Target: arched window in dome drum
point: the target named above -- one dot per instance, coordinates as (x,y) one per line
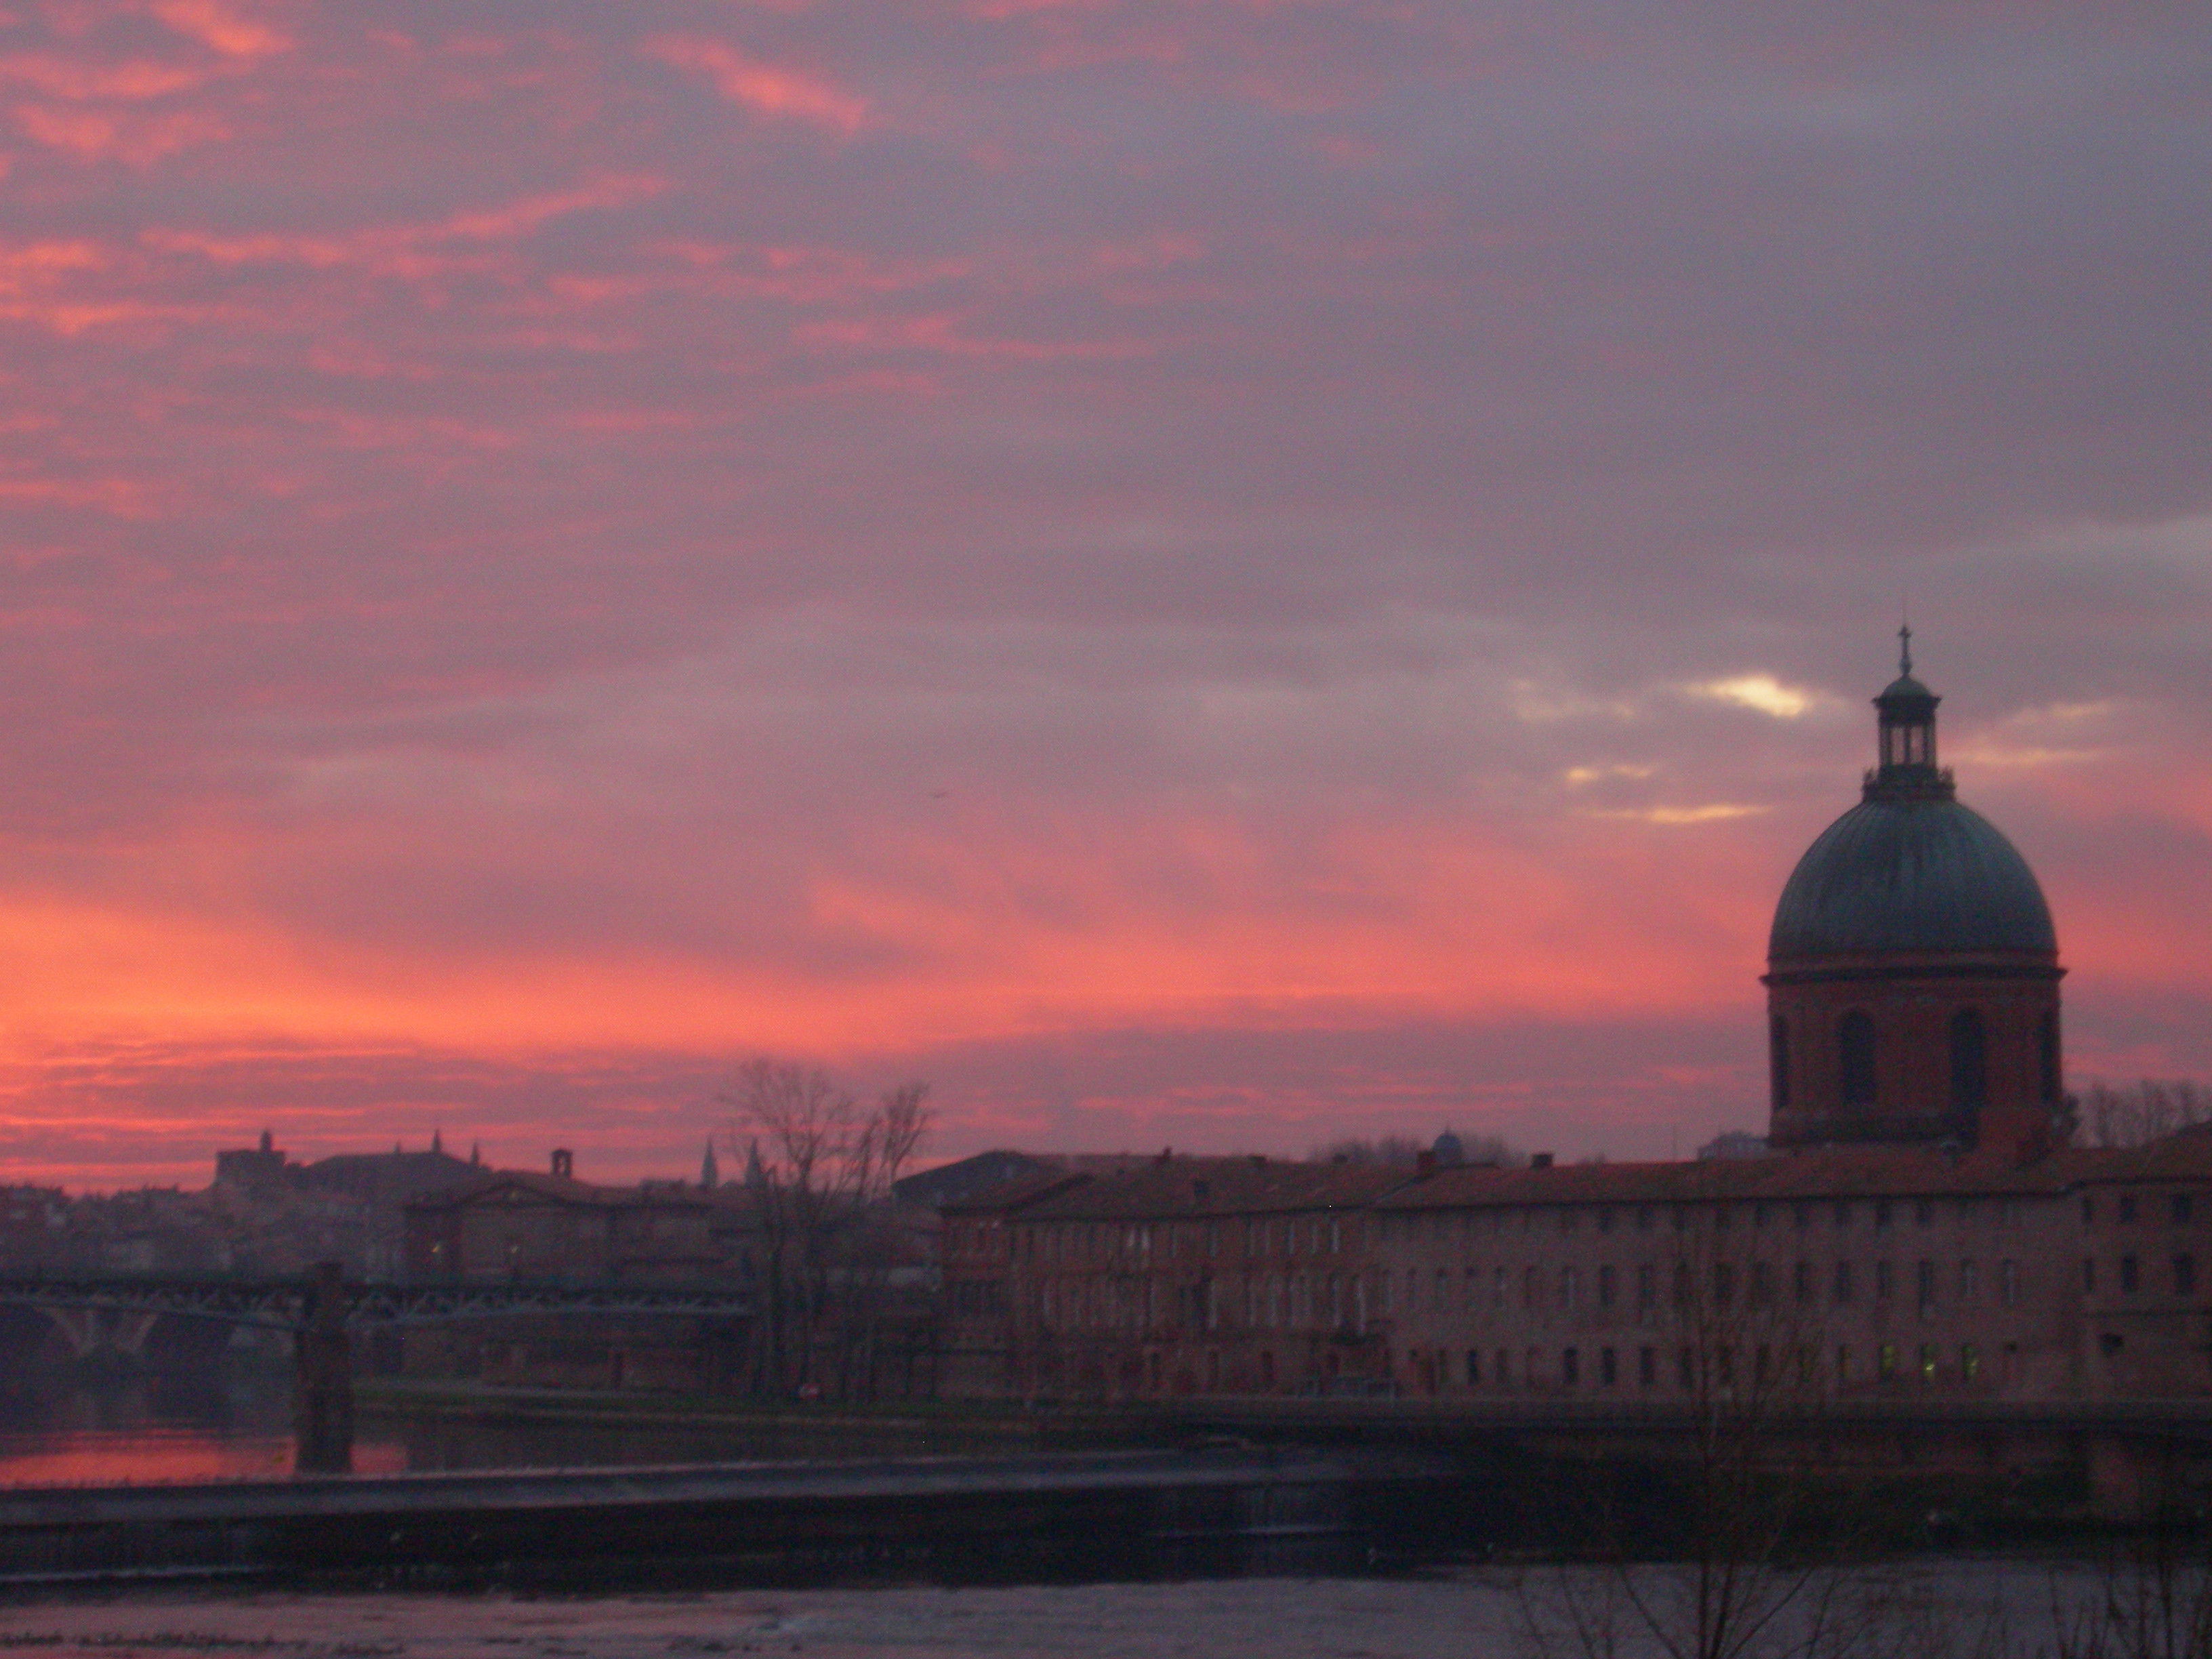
(1778,1059)
(1970,1061)
(1855,1058)
(2048,1043)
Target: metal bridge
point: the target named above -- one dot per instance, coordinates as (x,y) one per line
(318,1310)
(285,1302)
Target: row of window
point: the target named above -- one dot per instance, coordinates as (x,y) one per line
(1694,1371)
(2181,1274)
(1722,1284)
(1322,1235)
(1802,1215)
(1333,1300)
(2180,1208)
(1312,1235)
(1858,1074)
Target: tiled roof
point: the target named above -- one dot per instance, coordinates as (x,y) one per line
(560,1189)
(1016,1192)
(1828,1173)
(1198,1187)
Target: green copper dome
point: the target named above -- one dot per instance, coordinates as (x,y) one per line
(1915,873)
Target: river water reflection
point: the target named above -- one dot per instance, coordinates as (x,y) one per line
(141,1431)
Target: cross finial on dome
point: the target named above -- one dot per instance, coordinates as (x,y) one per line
(1904,648)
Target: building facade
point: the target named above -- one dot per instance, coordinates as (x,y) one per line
(1920,1225)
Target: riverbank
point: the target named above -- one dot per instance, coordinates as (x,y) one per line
(1025,1517)
(921,1426)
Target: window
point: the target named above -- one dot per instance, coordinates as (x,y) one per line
(2088,1211)
(1570,1284)
(1843,1288)
(1842,1213)
(1647,1287)
(1924,1213)
(1855,1069)
(1644,1217)
(1924,1284)
(1882,1215)
(2130,1276)
(1969,1282)
(1570,1366)
(1970,1067)
(1531,1291)
(1723,1284)
(1802,1216)
(1802,1280)
(2185,1275)
(1475,1368)
(2047,1042)
(2127,1207)
(1647,1366)
(1762,1283)
(1605,1286)
(1777,1060)
(1970,1361)
(1503,1374)
(1686,1370)
(2180,1205)
(2009,1283)
(1882,1281)
(1608,1367)
(1886,1362)
(1927,1363)
(1605,1219)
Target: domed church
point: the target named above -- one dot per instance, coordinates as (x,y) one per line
(1912,971)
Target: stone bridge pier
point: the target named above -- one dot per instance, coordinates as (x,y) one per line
(322,1378)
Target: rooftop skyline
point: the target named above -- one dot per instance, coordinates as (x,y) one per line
(1217,575)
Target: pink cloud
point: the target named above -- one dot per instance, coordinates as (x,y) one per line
(772,91)
(136,140)
(221,27)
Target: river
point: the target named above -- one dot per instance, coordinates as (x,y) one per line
(140,1429)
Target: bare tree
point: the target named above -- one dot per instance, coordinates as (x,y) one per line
(822,1169)
(2134,1113)
(1729,1584)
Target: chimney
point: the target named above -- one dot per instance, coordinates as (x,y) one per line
(564,1164)
(1540,1160)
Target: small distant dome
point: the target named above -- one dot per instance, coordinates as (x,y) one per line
(1448,1150)
(1914,874)
(1905,688)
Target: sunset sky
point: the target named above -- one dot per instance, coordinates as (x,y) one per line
(1216,574)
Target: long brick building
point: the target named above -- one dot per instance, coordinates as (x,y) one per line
(1920,1225)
